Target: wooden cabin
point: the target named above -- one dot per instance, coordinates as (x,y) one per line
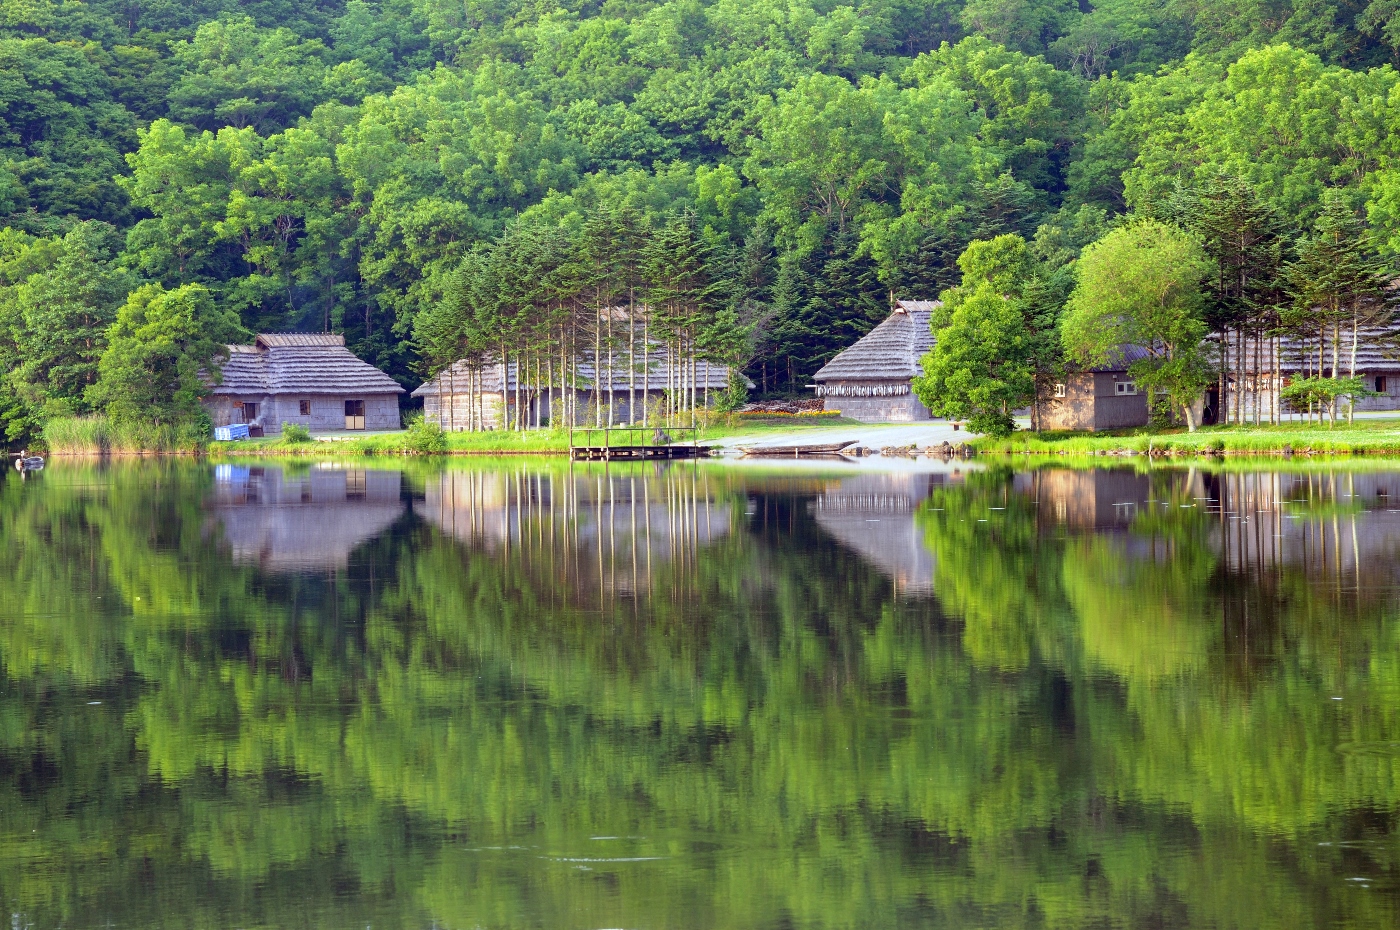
(871,380)
(460,395)
(1287,358)
(309,379)
(1100,398)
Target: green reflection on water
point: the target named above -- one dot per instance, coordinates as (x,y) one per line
(541,696)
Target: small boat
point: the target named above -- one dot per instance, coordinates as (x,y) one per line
(793,452)
(26,463)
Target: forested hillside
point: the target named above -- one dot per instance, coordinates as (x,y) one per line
(309,165)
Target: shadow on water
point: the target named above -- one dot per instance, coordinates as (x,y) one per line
(542,695)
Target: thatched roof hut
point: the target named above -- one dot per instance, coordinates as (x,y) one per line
(310,379)
(870,381)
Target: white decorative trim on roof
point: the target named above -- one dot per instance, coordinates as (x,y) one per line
(856,389)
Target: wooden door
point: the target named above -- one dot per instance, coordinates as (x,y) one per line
(354,414)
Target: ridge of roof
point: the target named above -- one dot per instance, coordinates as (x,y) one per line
(289,340)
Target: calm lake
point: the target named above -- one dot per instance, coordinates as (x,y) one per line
(332,694)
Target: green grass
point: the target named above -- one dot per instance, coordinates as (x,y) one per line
(1364,437)
(510,442)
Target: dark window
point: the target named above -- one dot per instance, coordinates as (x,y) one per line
(1380,384)
(354,414)
(305,407)
(250,412)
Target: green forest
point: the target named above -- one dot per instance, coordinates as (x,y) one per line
(176,175)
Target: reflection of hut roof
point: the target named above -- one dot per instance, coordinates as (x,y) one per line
(305,522)
(873,515)
(653,376)
(890,351)
(300,363)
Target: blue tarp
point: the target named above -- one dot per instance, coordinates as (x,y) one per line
(230,433)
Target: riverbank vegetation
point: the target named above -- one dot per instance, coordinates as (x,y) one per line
(424,439)
(335,166)
(97,434)
(1361,437)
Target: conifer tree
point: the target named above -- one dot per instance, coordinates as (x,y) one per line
(1336,281)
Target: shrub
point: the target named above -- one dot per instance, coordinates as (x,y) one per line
(995,423)
(295,433)
(425,437)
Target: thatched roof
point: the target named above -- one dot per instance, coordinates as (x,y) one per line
(1377,349)
(300,363)
(652,374)
(890,351)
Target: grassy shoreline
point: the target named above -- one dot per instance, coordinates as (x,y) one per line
(504,443)
(1364,437)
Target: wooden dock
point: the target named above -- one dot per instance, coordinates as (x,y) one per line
(635,444)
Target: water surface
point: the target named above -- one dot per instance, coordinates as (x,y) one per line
(698,696)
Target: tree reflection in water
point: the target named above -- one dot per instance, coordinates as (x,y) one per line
(535,695)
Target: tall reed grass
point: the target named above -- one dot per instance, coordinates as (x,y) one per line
(97,435)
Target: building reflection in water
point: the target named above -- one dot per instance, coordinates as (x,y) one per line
(1336,524)
(607,530)
(873,515)
(302,520)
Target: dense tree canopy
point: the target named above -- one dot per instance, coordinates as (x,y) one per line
(329,164)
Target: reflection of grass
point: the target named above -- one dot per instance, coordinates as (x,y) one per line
(1214,465)
(1371,437)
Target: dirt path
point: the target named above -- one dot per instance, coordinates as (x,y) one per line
(874,436)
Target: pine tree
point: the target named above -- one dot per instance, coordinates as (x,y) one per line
(1337,281)
(1248,241)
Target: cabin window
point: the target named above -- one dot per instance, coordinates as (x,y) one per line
(1126,387)
(1059,390)
(354,414)
(246,412)
(304,407)
(1380,384)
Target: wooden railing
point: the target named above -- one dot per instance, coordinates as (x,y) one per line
(635,441)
